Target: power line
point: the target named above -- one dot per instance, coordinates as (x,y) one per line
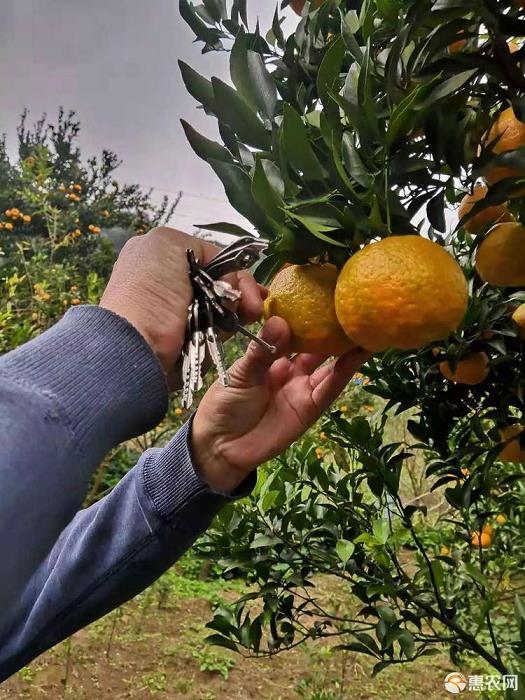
(185,193)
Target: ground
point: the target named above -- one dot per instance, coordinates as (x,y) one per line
(144,651)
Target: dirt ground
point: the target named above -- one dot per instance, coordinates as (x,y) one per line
(144,652)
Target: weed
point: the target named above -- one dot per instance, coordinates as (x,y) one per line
(213,661)
(155,682)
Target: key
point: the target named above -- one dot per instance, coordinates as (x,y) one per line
(214,347)
(186,362)
(231,324)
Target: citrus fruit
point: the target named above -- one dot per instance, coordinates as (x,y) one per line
(401,292)
(457,46)
(472,370)
(511,133)
(512,451)
(297,5)
(304,296)
(500,257)
(479,223)
(482,540)
(488,528)
(519,319)
(501,519)
(444,551)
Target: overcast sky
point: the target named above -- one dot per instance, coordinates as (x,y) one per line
(115,63)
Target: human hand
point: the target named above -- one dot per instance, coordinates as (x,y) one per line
(270,402)
(150,287)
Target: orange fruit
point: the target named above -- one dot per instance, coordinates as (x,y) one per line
(472,370)
(482,540)
(519,319)
(512,451)
(8,226)
(297,5)
(401,292)
(304,296)
(501,519)
(488,528)
(457,46)
(500,257)
(178,411)
(444,551)
(511,133)
(479,223)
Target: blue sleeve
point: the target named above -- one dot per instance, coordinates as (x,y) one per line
(66,398)
(113,550)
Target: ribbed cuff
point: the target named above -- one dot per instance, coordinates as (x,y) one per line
(99,370)
(173,484)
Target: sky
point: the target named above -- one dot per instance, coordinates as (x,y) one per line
(115,63)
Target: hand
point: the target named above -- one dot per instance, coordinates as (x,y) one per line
(150,287)
(271,401)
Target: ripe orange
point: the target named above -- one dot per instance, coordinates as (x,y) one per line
(479,223)
(500,257)
(304,296)
(511,133)
(484,540)
(501,519)
(488,528)
(519,319)
(401,292)
(297,5)
(457,46)
(512,451)
(473,370)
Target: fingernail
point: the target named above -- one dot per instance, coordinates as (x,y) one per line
(272,330)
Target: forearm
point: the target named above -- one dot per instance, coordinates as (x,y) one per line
(65,399)
(112,551)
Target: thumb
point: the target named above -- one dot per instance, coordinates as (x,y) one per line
(252,369)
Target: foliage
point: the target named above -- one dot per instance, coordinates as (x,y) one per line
(213,662)
(54,208)
(362,124)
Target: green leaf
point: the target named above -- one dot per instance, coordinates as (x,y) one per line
(447,87)
(387,614)
(237,113)
(199,88)
(436,211)
(219,641)
(251,78)
(476,574)
(216,9)
(205,148)
(406,642)
(268,189)
(296,146)
(238,188)
(201,31)
(353,163)
(344,550)
(328,75)
(317,227)
(519,607)
(225,227)
(381,530)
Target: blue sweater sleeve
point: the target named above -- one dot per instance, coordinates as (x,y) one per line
(65,399)
(112,551)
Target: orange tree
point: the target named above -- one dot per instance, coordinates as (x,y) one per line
(54,206)
(376,119)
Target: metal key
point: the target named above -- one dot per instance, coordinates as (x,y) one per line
(214,346)
(231,324)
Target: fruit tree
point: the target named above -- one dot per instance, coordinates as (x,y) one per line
(380,148)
